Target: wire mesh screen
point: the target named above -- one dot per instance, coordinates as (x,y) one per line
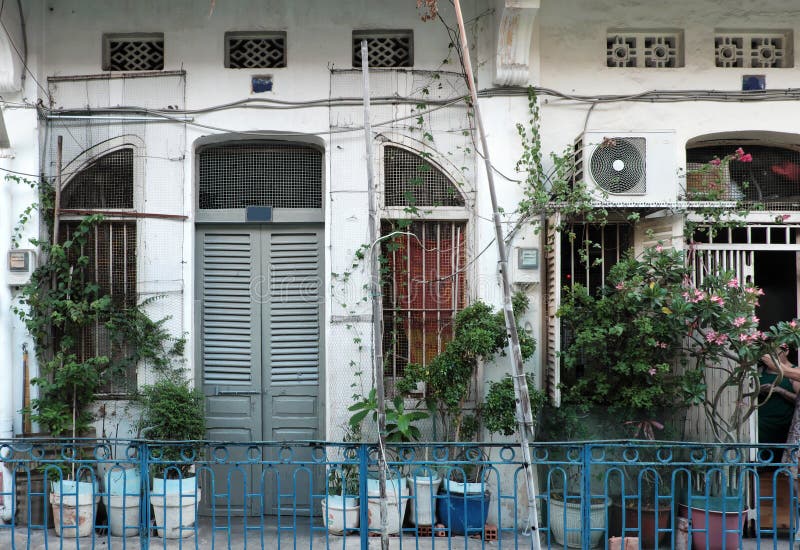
(411,180)
(132,162)
(772,177)
(106,183)
(271,174)
(421,119)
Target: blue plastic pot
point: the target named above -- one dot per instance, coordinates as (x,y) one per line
(463,514)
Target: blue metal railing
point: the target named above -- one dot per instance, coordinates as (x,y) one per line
(83,493)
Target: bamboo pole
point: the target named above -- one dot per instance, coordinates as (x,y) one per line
(377,306)
(523,405)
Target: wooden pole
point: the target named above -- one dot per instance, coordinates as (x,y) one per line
(377,305)
(523,404)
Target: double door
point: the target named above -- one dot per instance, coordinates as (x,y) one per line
(259,299)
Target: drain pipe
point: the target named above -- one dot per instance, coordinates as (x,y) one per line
(6,355)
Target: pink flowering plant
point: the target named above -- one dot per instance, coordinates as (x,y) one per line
(711,181)
(653,338)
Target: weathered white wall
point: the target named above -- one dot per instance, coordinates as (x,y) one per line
(568,54)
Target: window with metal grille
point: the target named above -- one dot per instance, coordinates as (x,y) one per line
(107,183)
(424,286)
(281,175)
(133,52)
(412,180)
(255,50)
(646,49)
(386,49)
(588,258)
(767,49)
(772,178)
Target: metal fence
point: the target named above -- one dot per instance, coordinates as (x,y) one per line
(82,493)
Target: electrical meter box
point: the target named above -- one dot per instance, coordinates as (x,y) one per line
(524,257)
(20,266)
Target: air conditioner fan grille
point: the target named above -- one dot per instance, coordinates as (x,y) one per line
(618,165)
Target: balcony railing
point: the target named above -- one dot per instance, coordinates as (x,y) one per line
(83,493)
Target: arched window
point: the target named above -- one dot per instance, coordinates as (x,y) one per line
(412,180)
(772,177)
(104,185)
(425,283)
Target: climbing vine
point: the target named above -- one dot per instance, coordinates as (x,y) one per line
(61,306)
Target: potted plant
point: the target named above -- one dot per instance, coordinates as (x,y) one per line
(172,411)
(340,506)
(562,482)
(479,334)
(400,427)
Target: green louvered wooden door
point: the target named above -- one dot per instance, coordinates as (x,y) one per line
(260,307)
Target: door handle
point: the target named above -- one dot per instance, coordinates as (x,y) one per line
(237,393)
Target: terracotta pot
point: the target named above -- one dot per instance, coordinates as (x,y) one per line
(647,531)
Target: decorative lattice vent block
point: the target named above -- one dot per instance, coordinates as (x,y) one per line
(255,50)
(387,49)
(645,49)
(754,49)
(133,52)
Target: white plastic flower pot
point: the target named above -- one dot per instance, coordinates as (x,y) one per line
(123,514)
(122,502)
(421,509)
(174,504)
(340,513)
(74,504)
(396,491)
(564,516)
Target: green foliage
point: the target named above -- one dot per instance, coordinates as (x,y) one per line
(60,306)
(172,411)
(399,422)
(626,340)
(479,334)
(498,411)
(553,190)
(650,318)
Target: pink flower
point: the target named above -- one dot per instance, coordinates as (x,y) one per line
(793,323)
(721,339)
(711,336)
(754,319)
(746,158)
(733,283)
(652,371)
(785,217)
(715,162)
(663,345)
(744,337)
(619,286)
(739,153)
(659,248)
(718,300)
(739,321)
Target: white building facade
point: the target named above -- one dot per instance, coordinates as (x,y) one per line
(224,144)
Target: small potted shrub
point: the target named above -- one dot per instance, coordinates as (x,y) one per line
(172,411)
(479,335)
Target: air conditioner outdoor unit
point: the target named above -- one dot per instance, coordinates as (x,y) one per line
(628,169)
